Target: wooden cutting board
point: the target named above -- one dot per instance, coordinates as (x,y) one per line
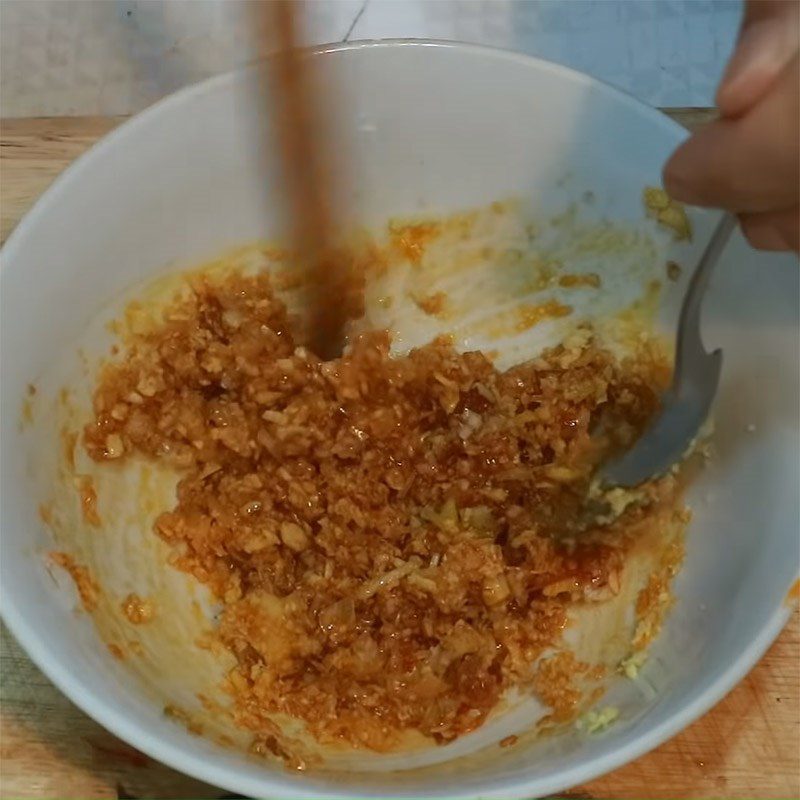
(747,746)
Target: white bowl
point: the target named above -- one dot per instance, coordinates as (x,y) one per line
(427,126)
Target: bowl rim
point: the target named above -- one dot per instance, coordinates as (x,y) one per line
(276,783)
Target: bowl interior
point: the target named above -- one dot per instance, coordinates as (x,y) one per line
(424,129)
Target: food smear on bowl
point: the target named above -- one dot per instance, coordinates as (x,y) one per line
(310,551)
(397,541)
(137,610)
(85,583)
(668,212)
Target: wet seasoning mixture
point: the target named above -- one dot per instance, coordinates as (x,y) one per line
(395,541)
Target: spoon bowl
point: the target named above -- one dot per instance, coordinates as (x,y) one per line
(695,380)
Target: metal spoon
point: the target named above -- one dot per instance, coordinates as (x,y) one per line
(694,384)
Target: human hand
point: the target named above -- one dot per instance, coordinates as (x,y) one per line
(748,161)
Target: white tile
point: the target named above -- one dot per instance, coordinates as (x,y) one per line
(700,38)
(672,45)
(592,15)
(641,36)
(114,56)
(672,8)
(647,83)
(699,7)
(639,10)
(388,19)
(703,80)
(674,87)
(726,18)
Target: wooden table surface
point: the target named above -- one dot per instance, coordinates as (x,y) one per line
(748,746)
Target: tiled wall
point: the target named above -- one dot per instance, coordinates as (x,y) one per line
(117,56)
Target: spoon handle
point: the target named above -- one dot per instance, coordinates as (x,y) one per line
(689,350)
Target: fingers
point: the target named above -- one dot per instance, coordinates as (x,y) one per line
(769,38)
(748,162)
(755,10)
(775,230)
(746,165)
